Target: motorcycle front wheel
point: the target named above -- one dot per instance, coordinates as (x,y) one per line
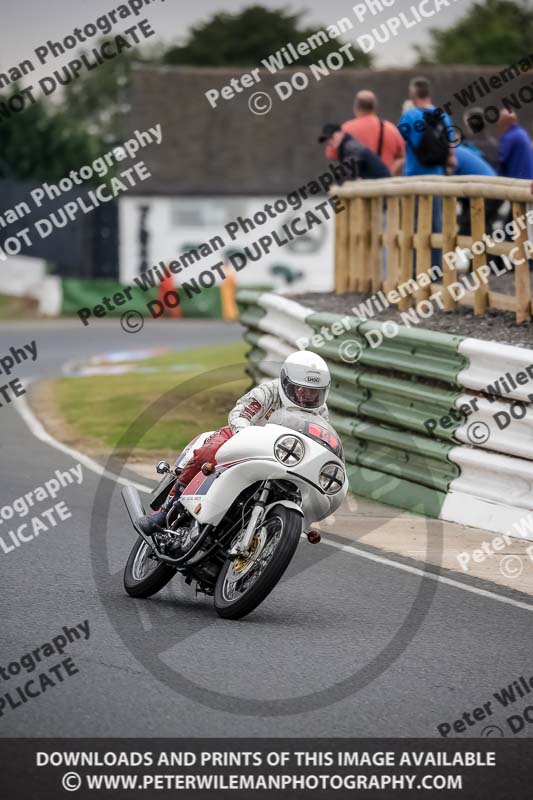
(144,575)
(244,583)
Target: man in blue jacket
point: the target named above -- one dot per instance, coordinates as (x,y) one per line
(516,154)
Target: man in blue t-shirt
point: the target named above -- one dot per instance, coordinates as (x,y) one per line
(470,162)
(412,126)
(516,154)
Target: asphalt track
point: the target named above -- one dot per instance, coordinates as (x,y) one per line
(345,646)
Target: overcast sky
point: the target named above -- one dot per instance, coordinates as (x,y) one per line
(26,24)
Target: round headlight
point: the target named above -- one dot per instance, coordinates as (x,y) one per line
(332,478)
(289,450)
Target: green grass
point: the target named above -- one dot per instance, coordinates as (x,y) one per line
(103,408)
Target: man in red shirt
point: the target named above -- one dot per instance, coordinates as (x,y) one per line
(381,136)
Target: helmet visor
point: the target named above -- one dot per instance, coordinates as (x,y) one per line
(303,396)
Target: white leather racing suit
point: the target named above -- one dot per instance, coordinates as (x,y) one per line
(255,407)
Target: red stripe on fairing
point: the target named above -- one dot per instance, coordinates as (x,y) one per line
(199,479)
(244,460)
(193,486)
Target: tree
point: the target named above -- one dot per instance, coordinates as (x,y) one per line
(43,143)
(98,98)
(243,39)
(492,32)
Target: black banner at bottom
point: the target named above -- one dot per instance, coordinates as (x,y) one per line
(266,768)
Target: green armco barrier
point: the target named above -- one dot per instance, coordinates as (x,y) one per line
(251,316)
(409,443)
(395,491)
(327,319)
(254,340)
(409,389)
(436,354)
(433,475)
(248,296)
(415,336)
(427,364)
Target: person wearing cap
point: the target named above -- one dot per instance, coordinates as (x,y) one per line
(363,163)
(381,136)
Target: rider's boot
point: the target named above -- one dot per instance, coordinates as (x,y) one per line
(155,521)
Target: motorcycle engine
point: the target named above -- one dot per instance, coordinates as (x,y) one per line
(188,535)
(181,540)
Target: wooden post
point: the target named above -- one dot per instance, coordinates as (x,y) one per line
(406,246)
(376,246)
(391,241)
(521,271)
(341,249)
(354,279)
(423,244)
(477,224)
(449,243)
(363,243)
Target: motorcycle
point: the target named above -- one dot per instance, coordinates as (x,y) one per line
(237,524)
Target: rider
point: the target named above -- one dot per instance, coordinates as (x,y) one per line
(303,383)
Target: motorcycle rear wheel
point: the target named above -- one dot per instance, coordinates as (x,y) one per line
(284,527)
(144,576)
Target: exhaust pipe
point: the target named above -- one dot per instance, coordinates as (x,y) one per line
(132,501)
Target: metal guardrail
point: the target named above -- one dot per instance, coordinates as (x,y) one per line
(382,403)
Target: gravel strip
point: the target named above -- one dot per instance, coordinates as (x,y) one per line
(494,326)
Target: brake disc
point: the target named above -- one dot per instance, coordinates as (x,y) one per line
(242,565)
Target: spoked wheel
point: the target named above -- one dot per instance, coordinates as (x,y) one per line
(244,583)
(144,575)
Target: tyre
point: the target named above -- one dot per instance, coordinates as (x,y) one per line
(144,576)
(243,584)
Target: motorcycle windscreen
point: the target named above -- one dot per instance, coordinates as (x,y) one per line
(311,425)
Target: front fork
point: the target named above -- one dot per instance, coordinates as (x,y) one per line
(242,545)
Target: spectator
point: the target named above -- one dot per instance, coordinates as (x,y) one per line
(476,136)
(381,136)
(427,132)
(364,164)
(470,163)
(516,154)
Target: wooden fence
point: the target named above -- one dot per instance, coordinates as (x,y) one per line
(377,249)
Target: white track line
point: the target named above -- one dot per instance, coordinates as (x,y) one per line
(347,548)
(40,433)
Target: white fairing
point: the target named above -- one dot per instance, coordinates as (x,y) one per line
(255,447)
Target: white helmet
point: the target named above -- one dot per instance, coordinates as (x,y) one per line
(304,381)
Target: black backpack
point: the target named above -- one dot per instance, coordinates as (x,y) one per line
(432,150)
